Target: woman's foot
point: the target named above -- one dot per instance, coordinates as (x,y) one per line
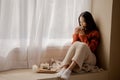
(66,74)
(60,72)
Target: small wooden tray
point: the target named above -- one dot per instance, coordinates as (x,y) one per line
(45,71)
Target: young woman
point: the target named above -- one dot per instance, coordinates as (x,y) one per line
(85,41)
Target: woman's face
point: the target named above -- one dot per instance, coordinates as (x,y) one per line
(82,22)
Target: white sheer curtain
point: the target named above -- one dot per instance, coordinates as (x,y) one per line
(27,27)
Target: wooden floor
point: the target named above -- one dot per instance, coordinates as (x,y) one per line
(27,74)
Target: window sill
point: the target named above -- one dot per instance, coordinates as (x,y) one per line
(27,74)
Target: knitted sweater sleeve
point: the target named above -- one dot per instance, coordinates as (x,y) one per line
(75,38)
(92,39)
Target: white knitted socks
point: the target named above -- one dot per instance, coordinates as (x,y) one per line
(66,74)
(60,72)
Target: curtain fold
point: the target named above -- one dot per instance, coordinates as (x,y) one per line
(28,27)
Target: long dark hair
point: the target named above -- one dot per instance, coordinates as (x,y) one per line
(91,25)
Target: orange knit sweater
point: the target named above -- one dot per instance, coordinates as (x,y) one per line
(91,39)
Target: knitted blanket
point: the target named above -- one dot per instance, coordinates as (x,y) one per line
(54,66)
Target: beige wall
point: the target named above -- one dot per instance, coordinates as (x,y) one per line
(102,11)
(107,16)
(115,42)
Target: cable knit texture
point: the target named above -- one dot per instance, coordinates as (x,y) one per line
(91,39)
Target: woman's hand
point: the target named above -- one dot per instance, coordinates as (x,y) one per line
(81,32)
(77,30)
